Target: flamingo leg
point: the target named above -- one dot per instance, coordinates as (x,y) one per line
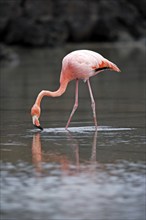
(92,103)
(75,104)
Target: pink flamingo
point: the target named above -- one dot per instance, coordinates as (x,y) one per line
(79,64)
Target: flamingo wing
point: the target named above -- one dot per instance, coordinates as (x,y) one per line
(82,64)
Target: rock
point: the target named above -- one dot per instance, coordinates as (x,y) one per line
(8,57)
(54,22)
(7,9)
(140,5)
(36,33)
(117,17)
(81,17)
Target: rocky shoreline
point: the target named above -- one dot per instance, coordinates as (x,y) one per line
(54,22)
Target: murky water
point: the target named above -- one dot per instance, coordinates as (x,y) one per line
(80,173)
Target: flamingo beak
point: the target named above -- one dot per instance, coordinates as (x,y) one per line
(36,122)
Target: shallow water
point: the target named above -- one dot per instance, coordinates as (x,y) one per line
(80,173)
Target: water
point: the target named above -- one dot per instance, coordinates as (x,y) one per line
(77,174)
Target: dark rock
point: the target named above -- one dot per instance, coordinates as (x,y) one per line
(117,17)
(54,22)
(81,17)
(140,5)
(7,9)
(36,32)
(8,57)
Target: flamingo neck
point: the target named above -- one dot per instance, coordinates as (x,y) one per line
(59,92)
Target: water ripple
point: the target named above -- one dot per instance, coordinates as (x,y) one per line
(83,129)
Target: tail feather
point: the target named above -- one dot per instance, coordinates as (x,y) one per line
(112,66)
(106,64)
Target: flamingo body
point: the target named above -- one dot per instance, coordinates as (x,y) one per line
(82,64)
(79,64)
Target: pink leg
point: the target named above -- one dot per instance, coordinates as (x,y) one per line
(75,104)
(92,104)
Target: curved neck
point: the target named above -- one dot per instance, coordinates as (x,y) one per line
(56,93)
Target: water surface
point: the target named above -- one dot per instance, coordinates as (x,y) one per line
(80,173)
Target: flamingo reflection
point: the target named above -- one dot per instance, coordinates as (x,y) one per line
(37,152)
(38,156)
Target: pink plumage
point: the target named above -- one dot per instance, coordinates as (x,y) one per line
(79,64)
(83,64)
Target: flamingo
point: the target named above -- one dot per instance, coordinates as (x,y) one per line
(79,64)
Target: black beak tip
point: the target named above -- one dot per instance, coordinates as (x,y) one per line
(39,127)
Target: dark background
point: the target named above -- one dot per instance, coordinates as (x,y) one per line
(54,22)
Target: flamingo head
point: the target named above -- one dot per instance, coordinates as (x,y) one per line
(35,113)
